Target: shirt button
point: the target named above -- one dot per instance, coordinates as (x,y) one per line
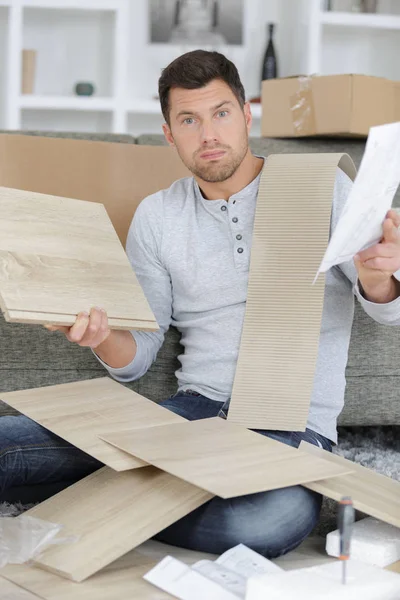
(235,219)
(240,250)
(223,207)
(238,237)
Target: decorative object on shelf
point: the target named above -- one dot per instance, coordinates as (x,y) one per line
(84,88)
(369,6)
(356,6)
(201,23)
(328,5)
(270,63)
(28,71)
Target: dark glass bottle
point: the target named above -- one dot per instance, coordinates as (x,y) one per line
(215,14)
(270,63)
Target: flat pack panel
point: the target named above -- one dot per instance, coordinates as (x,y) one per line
(371,492)
(79,412)
(111,513)
(122,579)
(62,256)
(12,591)
(224,458)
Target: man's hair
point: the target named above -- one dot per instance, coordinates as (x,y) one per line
(195,70)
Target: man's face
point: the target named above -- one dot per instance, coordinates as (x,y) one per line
(209,129)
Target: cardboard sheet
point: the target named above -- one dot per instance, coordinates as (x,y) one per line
(117,175)
(79,412)
(279,346)
(221,457)
(63,256)
(111,513)
(371,492)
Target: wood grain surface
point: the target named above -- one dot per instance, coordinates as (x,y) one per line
(111,513)
(224,458)
(60,256)
(371,492)
(79,412)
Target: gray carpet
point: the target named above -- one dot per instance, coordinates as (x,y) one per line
(377,448)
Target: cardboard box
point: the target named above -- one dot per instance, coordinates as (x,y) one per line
(331,105)
(116,175)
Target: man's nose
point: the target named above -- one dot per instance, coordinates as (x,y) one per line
(208,133)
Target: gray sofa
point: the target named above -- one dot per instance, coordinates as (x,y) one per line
(32,357)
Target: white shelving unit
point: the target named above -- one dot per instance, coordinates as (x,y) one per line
(342,41)
(88,41)
(104,42)
(358,20)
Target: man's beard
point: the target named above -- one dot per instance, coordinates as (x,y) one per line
(218,171)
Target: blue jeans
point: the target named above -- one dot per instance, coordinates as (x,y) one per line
(272,523)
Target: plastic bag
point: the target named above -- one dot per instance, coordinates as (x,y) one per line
(23,538)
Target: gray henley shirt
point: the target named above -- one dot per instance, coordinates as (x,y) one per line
(191,257)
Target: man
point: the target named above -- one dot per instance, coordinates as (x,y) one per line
(190,248)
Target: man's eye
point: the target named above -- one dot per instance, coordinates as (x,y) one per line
(189,121)
(222,113)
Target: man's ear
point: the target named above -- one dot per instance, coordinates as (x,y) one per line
(247,115)
(168,134)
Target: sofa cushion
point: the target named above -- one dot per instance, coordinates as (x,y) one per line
(122,138)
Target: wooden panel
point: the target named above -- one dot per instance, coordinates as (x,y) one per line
(118,584)
(112,513)
(223,458)
(121,580)
(11,591)
(63,256)
(395,567)
(79,412)
(371,492)
(36,318)
(279,346)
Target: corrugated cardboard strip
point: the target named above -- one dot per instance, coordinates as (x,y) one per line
(279,347)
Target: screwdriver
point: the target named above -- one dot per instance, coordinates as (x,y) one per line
(345,525)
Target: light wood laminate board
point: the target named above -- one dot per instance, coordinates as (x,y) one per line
(121,580)
(224,458)
(79,412)
(36,318)
(116,584)
(12,591)
(112,513)
(395,567)
(371,492)
(62,256)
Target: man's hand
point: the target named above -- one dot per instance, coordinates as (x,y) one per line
(376,265)
(89,330)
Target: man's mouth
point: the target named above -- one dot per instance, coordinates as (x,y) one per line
(212,154)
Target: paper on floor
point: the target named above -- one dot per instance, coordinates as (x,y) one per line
(223,579)
(324,581)
(360,224)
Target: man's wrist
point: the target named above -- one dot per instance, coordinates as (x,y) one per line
(383,293)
